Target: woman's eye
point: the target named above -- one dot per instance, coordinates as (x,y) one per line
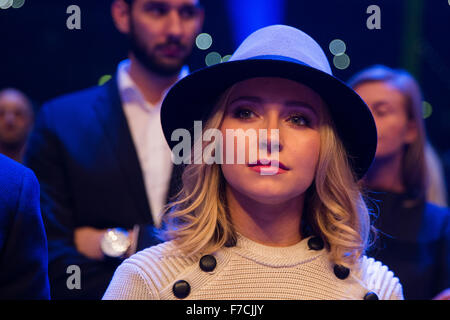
(381,112)
(242,113)
(380,109)
(299,120)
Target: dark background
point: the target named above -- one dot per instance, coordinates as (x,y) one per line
(42,57)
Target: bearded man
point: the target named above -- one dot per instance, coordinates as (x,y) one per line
(100,156)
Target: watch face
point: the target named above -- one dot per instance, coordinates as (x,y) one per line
(115,243)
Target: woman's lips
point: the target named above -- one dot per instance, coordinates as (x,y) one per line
(268,167)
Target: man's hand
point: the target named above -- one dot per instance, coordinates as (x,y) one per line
(87,240)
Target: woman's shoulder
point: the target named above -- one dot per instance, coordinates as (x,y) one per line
(162,259)
(434,224)
(379,279)
(148,272)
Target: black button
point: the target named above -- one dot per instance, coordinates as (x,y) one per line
(208,263)
(315,243)
(341,272)
(181,289)
(371,296)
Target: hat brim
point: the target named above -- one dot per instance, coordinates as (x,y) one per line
(193,97)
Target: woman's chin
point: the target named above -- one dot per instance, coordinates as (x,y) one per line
(270,197)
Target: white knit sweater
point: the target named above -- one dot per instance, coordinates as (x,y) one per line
(249,271)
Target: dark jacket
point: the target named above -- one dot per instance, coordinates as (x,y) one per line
(414,242)
(83,155)
(23,245)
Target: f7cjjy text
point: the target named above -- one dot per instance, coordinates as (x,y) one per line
(247,309)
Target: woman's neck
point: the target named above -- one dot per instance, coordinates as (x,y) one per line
(386,174)
(269,224)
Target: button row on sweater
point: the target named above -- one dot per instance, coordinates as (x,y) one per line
(182,288)
(316,243)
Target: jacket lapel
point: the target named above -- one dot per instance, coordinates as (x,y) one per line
(112,118)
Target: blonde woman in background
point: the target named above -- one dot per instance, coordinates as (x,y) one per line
(414,233)
(292,225)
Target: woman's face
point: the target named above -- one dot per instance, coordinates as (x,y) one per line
(388,107)
(277,105)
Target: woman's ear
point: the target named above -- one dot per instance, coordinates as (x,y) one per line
(121,12)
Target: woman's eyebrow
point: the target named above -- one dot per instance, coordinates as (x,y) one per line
(381,103)
(247,98)
(301,104)
(291,103)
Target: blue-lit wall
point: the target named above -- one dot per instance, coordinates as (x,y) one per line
(249,15)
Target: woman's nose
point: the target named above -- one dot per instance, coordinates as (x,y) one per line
(270,138)
(271,143)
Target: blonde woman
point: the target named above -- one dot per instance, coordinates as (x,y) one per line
(414,233)
(289,221)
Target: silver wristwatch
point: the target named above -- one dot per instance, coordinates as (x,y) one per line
(115,242)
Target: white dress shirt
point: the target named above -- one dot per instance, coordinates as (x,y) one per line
(152,149)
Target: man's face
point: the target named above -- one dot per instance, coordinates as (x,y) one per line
(15,119)
(162,33)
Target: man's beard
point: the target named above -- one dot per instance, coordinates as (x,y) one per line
(149,60)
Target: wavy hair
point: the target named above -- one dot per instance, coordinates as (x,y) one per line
(198,221)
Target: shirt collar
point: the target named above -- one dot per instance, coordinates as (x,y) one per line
(129,91)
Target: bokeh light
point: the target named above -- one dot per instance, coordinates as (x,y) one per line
(104,79)
(337,47)
(213,58)
(427,109)
(227,57)
(6,4)
(342,61)
(203,41)
(18,4)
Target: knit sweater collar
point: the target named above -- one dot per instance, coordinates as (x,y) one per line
(275,256)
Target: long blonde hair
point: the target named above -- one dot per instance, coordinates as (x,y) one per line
(198,220)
